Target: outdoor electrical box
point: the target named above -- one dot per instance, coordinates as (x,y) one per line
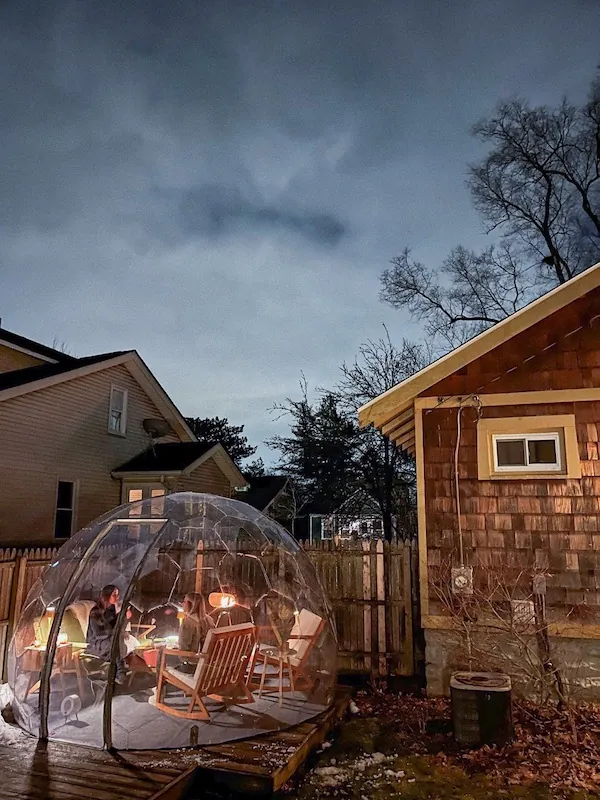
(481,708)
(462,580)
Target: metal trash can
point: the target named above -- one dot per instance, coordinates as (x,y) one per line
(481,708)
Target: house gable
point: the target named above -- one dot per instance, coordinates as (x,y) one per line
(477,363)
(18,352)
(61,433)
(12,359)
(562,351)
(43,377)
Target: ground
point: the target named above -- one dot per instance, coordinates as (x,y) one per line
(402,746)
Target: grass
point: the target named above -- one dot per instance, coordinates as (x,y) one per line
(366,762)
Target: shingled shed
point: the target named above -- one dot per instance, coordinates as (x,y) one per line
(505,431)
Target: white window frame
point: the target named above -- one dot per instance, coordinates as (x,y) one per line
(557,466)
(123,428)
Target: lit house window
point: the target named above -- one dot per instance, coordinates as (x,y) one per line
(528,447)
(154,493)
(117,412)
(533,452)
(65,510)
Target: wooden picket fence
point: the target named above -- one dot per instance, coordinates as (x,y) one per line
(370,584)
(19,570)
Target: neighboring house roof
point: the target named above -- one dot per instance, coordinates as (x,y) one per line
(393,411)
(263,492)
(179,458)
(21,377)
(359,503)
(31,379)
(24,345)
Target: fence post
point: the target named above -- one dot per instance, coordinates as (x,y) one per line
(19,589)
(381,609)
(367,628)
(408,656)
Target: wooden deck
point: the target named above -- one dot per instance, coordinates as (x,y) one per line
(32,770)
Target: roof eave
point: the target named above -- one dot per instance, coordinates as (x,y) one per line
(140,474)
(400,398)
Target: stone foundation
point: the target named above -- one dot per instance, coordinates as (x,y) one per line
(577,659)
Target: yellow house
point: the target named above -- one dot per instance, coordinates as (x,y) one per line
(79,436)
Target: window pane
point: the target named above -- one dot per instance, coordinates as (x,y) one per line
(542,451)
(64,497)
(64,523)
(115,420)
(158,492)
(510,452)
(117,400)
(134,495)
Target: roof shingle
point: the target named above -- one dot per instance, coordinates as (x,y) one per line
(166,457)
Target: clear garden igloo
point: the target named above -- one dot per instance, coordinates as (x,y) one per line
(112,672)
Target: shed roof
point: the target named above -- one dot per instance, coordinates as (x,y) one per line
(263,491)
(393,411)
(180,458)
(166,457)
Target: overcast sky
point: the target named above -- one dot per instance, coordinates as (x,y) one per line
(220,184)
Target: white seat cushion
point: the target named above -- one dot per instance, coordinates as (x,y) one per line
(184,677)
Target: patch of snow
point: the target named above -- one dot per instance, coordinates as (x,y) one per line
(9,734)
(354,709)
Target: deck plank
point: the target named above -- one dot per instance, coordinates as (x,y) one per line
(32,770)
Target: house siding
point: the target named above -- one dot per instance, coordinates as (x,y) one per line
(516,527)
(551,524)
(61,433)
(208,478)
(11,359)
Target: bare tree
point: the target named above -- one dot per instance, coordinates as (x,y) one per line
(538,190)
(468,293)
(387,472)
(540,182)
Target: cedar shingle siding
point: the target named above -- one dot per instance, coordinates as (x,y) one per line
(553,523)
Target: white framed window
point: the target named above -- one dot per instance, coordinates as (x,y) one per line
(64,516)
(117,411)
(527,452)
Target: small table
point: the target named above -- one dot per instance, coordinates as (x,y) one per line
(281,656)
(64,663)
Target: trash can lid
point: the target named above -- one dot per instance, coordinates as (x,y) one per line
(481,681)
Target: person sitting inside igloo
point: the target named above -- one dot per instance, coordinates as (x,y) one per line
(101,629)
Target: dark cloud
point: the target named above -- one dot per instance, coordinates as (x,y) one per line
(219,183)
(214,210)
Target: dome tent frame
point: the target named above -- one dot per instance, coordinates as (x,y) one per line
(156,553)
(51,646)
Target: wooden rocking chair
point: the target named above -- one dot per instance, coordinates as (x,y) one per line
(220,672)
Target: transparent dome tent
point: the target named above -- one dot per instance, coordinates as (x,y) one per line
(101,653)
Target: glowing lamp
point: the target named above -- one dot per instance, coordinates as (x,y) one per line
(221,600)
(63,638)
(37,643)
(50,611)
(180,614)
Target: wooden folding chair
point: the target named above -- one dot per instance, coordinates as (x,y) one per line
(219,674)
